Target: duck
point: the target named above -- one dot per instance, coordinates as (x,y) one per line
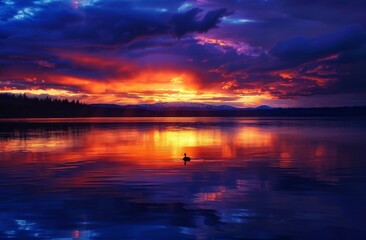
(186,158)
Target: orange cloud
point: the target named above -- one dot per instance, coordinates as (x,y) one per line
(126,82)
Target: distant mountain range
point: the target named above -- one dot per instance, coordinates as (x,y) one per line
(178,106)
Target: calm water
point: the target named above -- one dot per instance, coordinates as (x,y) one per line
(125,179)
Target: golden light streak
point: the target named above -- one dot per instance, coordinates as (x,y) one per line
(50,91)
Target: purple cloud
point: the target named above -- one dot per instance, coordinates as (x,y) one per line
(285,49)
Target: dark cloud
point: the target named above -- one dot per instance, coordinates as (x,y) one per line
(351,64)
(104,24)
(190,21)
(274,21)
(304,49)
(33,33)
(331,63)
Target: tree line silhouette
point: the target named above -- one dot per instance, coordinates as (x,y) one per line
(23,106)
(12,106)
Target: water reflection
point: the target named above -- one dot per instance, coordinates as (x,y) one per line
(247,179)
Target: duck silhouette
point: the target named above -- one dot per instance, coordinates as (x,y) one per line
(186,158)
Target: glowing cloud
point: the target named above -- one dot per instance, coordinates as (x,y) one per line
(231,52)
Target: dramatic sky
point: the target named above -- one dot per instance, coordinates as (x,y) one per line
(238,52)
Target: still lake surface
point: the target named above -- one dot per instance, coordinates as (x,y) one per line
(124,178)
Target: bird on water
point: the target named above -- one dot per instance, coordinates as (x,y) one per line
(186,158)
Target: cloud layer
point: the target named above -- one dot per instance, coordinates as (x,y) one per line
(236,52)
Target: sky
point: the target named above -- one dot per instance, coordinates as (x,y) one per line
(284,53)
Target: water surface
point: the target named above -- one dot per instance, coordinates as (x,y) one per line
(124,178)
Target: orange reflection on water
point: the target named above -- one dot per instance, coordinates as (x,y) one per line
(80,155)
(145,145)
(154,146)
(211,196)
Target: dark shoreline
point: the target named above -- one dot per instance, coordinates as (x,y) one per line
(21,106)
(89,111)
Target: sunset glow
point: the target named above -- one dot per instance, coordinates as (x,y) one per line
(182,119)
(215,52)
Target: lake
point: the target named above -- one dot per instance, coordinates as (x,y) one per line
(124,178)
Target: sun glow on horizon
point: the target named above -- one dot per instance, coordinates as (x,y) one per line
(154,96)
(127,82)
(145,86)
